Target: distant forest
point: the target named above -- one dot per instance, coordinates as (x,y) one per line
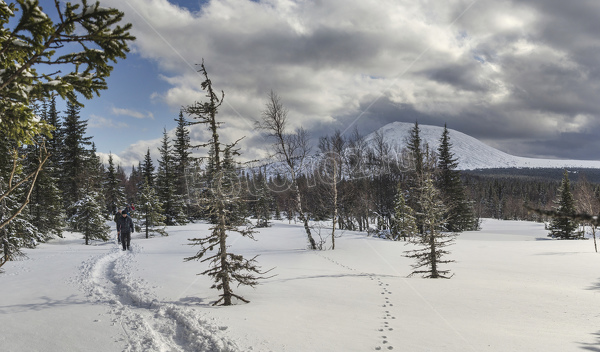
(502,193)
(539,174)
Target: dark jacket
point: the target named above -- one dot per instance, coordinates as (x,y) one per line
(125,225)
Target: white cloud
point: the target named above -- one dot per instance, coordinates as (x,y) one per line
(474,63)
(96,121)
(132,113)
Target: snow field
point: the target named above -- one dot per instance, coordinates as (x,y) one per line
(513,290)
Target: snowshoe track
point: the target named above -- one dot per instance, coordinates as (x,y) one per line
(148,324)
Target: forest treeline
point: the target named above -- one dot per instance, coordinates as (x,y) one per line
(343,178)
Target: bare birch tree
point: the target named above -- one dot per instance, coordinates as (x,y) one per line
(292,149)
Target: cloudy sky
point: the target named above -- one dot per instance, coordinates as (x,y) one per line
(521,75)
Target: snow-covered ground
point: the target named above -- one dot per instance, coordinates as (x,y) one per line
(513,290)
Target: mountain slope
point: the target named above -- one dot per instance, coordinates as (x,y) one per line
(470,152)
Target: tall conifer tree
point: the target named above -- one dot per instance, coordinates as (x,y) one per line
(459,211)
(166,184)
(404,224)
(563,224)
(415,173)
(181,155)
(114,193)
(88,216)
(225,267)
(147,170)
(75,155)
(45,209)
(150,217)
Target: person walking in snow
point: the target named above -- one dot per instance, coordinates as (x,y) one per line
(125,229)
(130,208)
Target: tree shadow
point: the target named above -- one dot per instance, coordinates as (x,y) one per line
(592,346)
(595,286)
(46,304)
(189,300)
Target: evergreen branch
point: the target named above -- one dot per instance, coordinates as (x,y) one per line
(32,175)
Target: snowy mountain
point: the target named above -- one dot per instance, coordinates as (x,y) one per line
(470,152)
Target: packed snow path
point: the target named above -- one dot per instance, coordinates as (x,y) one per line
(147,323)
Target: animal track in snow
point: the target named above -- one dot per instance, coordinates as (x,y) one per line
(386,317)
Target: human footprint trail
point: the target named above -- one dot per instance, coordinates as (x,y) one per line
(147,323)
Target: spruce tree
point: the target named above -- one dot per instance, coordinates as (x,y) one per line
(415,147)
(181,155)
(415,173)
(114,193)
(459,211)
(83,43)
(85,39)
(45,208)
(88,216)
(150,217)
(225,267)
(404,224)
(56,141)
(434,239)
(264,201)
(147,170)
(563,225)
(16,231)
(166,185)
(231,183)
(75,156)
(133,184)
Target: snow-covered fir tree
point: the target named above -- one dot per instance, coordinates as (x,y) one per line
(225,268)
(16,231)
(45,209)
(563,224)
(150,216)
(89,217)
(89,38)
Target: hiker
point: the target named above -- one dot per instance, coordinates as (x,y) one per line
(130,208)
(125,229)
(117,217)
